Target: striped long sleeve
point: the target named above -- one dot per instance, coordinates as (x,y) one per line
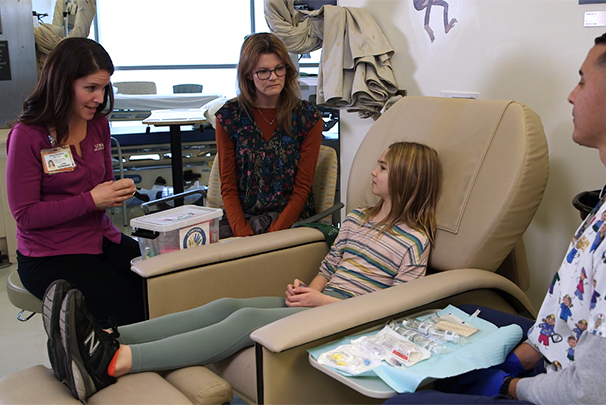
(361,261)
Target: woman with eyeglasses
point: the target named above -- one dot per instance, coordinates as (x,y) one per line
(268,143)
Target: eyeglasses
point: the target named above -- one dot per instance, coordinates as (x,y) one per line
(265,74)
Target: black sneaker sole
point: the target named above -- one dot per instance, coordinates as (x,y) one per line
(77,378)
(51,308)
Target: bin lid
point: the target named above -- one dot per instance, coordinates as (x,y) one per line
(176,218)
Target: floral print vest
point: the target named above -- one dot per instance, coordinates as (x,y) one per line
(266,170)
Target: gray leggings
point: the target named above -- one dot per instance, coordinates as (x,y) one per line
(201,335)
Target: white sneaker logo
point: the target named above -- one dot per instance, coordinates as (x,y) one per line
(91,342)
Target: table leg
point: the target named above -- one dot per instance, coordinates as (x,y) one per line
(176,161)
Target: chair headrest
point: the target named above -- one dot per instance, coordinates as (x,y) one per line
(495,161)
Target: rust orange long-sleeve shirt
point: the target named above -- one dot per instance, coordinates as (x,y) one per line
(303,179)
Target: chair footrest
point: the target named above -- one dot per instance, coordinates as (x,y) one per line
(192,385)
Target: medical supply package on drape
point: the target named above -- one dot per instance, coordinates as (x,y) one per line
(406,367)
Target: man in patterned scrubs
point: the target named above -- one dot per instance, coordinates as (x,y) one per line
(563,361)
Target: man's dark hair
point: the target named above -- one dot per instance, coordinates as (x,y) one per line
(601,40)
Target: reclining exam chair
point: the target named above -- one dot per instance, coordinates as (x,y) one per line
(495,160)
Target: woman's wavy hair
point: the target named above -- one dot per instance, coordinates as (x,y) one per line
(51,102)
(415,183)
(264,43)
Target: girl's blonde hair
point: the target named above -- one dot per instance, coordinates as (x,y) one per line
(264,43)
(415,182)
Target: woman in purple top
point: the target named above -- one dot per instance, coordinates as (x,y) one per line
(60,180)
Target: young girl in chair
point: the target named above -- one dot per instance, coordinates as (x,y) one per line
(376,248)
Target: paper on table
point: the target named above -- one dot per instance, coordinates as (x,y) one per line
(177,115)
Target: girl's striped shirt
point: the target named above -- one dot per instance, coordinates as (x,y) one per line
(359,262)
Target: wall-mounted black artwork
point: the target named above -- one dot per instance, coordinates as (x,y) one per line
(426,5)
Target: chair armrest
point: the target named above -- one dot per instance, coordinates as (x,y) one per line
(261,265)
(317,323)
(226,250)
(320,215)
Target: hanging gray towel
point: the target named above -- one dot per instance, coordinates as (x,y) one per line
(355,68)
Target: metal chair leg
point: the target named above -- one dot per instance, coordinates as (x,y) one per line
(19,318)
(121,171)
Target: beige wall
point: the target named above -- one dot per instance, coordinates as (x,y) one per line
(524,50)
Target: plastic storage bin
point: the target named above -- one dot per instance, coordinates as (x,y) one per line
(176,228)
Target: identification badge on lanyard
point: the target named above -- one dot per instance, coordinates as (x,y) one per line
(57,160)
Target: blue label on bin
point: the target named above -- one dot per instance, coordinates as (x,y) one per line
(194,237)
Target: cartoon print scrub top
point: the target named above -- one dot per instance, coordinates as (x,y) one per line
(575,301)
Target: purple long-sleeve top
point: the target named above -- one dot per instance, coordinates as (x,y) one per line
(55,213)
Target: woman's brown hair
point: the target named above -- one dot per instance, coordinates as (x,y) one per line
(50,104)
(264,43)
(415,182)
